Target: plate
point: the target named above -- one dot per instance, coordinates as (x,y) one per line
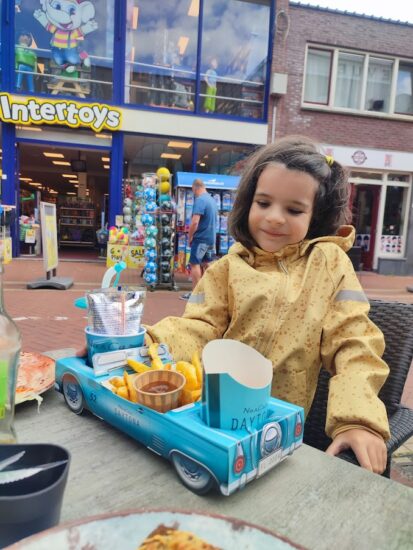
(36,375)
(127,530)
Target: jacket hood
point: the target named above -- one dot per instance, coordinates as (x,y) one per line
(344,239)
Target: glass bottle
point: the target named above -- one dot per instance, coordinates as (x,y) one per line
(10,346)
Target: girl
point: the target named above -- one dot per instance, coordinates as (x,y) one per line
(288,289)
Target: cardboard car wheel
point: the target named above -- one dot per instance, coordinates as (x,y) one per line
(192,474)
(72,392)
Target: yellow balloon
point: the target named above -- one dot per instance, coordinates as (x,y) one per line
(163,173)
(165,187)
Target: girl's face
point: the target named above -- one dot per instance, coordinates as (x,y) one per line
(282,207)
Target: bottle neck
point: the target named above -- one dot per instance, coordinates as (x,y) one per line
(1,286)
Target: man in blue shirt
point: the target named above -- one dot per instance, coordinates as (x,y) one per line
(202,232)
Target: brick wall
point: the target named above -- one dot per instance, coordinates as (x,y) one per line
(304,25)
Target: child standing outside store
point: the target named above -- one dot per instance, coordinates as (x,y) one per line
(288,289)
(211,86)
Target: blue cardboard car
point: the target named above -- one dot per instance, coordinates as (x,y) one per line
(203,457)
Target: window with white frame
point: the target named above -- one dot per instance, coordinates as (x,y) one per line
(317,76)
(346,80)
(404,89)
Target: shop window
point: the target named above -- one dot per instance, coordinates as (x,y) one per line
(349,79)
(222,158)
(366,175)
(148,153)
(161,53)
(379,79)
(395,211)
(404,91)
(235,38)
(317,77)
(398,177)
(65,48)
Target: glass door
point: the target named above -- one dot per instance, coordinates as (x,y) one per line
(365,212)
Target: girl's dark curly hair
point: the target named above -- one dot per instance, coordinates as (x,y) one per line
(331,203)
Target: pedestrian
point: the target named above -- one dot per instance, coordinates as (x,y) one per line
(202,232)
(288,289)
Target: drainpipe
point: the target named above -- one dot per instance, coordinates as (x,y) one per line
(274,118)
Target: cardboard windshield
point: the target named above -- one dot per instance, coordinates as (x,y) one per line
(237,386)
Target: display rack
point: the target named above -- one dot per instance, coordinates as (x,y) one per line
(222,189)
(76,226)
(159,221)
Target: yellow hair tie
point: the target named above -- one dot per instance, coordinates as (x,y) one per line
(329,160)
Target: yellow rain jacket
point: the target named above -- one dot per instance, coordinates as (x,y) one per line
(301,307)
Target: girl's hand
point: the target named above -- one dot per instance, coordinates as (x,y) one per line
(369,449)
(81,352)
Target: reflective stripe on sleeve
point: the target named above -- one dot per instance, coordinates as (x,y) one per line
(351,295)
(197,298)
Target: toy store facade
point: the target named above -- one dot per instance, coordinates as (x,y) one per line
(94,93)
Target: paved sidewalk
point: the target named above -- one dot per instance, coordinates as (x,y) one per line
(49,320)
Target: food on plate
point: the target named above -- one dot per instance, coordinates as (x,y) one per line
(171,538)
(35,375)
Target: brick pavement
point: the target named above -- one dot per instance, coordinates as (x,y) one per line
(48,318)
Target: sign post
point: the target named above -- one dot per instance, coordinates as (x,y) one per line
(50,253)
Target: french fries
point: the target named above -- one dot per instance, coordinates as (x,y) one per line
(124,387)
(132,393)
(156,361)
(137,366)
(188,370)
(122,391)
(193,375)
(198,367)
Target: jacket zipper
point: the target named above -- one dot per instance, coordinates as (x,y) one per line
(283,266)
(284,269)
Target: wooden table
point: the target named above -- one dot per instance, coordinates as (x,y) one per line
(315,500)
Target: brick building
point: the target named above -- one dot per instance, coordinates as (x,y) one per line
(347,80)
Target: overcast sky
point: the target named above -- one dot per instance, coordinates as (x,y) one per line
(399,10)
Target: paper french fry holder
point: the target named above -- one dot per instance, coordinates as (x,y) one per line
(237,386)
(31,502)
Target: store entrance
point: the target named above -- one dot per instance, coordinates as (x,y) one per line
(365,212)
(76,180)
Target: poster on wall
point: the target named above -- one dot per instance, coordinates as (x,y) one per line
(5,249)
(48,228)
(49,235)
(392,244)
(363,240)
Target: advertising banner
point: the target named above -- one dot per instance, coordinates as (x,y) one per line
(5,249)
(49,235)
